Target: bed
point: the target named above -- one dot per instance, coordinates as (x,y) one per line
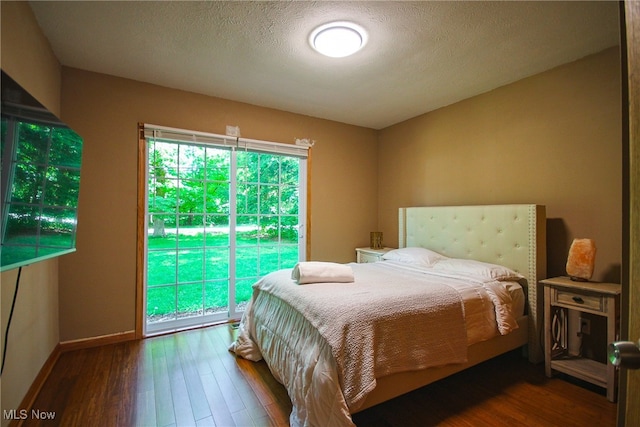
(334,368)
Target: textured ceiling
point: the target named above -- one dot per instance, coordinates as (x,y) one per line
(420,55)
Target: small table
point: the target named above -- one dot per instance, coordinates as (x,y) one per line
(364,255)
(561,295)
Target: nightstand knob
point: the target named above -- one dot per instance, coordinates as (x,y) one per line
(578,300)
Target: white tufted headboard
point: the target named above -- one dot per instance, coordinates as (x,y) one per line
(509,235)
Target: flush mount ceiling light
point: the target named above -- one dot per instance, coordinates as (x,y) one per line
(338,39)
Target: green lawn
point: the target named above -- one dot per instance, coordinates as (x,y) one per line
(202,270)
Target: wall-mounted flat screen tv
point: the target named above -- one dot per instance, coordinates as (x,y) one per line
(41,158)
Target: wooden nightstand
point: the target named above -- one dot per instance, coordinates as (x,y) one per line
(370,255)
(562,295)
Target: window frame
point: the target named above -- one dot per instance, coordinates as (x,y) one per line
(234,144)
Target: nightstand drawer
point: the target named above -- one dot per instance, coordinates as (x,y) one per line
(364,255)
(369,257)
(580,300)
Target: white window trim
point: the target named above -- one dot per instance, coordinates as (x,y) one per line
(169,134)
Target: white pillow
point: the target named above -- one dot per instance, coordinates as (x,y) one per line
(415,256)
(477,268)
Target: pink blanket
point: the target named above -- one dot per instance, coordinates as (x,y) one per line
(383,323)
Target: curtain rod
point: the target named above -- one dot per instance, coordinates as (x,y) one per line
(224,137)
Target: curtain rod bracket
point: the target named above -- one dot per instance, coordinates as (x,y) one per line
(305,142)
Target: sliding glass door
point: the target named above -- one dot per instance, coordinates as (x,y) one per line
(219,217)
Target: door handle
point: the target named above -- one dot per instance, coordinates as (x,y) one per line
(625,354)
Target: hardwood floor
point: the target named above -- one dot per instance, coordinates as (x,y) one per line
(190,379)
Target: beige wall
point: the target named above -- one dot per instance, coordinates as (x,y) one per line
(97,283)
(29,60)
(551,139)
(27,56)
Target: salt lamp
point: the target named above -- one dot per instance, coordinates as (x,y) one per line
(581,259)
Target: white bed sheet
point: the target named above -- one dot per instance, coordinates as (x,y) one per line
(300,358)
(480,316)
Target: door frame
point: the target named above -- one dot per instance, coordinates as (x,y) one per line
(142,226)
(629,387)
